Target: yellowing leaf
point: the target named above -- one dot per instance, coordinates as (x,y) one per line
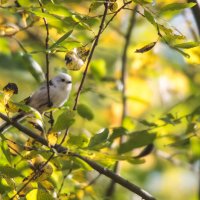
(8,30)
(52,138)
(146,48)
(43,195)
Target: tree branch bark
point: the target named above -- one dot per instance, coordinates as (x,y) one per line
(60,149)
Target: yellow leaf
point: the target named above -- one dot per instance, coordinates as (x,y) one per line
(8,30)
(52,138)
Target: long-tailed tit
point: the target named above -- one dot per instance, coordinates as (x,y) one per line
(59,90)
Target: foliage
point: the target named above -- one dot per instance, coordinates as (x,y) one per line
(111,116)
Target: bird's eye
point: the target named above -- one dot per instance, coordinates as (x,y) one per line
(63,80)
(68,59)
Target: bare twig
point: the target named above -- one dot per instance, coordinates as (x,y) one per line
(62,184)
(115,13)
(111,187)
(47,61)
(196,12)
(95,43)
(91,182)
(102,170)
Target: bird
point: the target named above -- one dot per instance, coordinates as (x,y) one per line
(59,90)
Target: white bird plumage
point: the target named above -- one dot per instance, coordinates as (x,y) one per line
(59,90)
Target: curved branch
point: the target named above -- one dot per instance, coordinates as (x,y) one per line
(60,149)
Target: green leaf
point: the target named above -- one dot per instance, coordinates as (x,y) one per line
(57,9)
(146,123)
(99,138)
(136,140)
(95,5)
(5,149)
(182,143)
(33,67)
(82,164)
(43,195)
(149,17)
(117,132)
(176,7)
(143,1)
(78,140)
(61,39)
(24,3)
(85,112)
(9,171)
(64,120)
(187,45)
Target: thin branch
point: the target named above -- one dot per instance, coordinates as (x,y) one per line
(95,43)
(118,179)
(91,182)
(102,170)
(114,15)
(62,184)
(196,12)
(111,188)
(47,61)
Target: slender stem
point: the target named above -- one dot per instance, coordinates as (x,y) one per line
(46,53)
(95,43)
(114,15)
(60,149)
(196,12)
(47,62)
(62,184)
(111,188)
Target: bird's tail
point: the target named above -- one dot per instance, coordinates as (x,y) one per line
(6,125)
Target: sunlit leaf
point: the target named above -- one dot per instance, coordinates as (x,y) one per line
(146,48)
(5,149)
(33,67)
(8,30)
(117,132)
(82,164)
(85,112)
(9,171)
(149,17)
(95,5)
(187,45)
(78,140)
(64,121)
(61,39)
(43,195)
(99,138)
(137,139)
(52,138)
(176,6)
